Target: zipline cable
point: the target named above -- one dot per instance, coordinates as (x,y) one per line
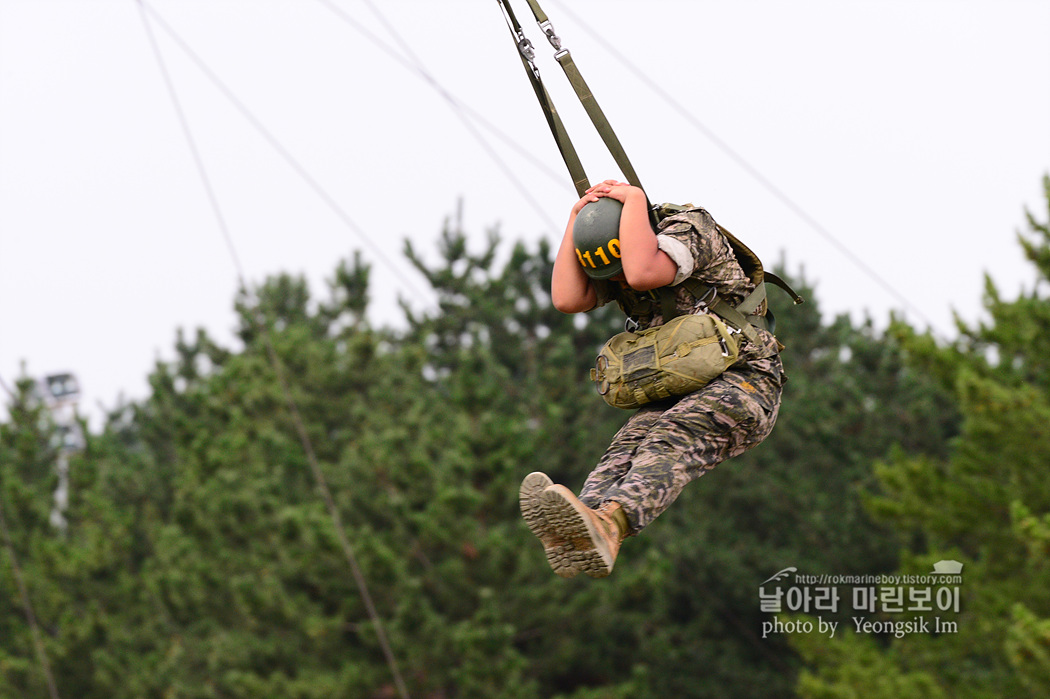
(307,444)
(184,124)
(747,166)
(274,143)
(413,62)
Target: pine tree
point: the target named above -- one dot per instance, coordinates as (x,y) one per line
(986,504)
(27,546)
(202,560)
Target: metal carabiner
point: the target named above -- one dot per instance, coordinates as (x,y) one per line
(705,301)
(601,363)
(527,49)
(548,29)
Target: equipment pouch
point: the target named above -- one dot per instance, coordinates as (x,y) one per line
(672,359)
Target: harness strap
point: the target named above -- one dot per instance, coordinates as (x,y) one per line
(583,92)
(667,303)
(750,304)
(710,299)
(734,317)
(753,310)
(598,118)
(541,19)
(527,54)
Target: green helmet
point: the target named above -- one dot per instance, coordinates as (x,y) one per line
(596,236)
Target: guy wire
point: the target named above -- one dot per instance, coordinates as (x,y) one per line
(192,143)
(293,408)
(416,65)
(747,167)
(274,143)
(413,62)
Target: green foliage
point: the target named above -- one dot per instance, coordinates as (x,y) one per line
(858,667)
(986,503)
(201,561)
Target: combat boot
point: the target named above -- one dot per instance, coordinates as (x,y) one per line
(592,537)
(535,517)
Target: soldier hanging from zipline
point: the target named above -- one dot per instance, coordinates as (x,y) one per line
(699,360)
(654,276)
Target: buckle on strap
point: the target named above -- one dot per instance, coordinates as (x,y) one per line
(527,50)
(552,37)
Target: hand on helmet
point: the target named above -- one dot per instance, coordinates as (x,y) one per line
(613,189)
(608,183)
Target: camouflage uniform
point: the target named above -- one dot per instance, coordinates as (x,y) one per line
(667,444)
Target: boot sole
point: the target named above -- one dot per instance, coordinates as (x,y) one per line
(585,549)
(532,511)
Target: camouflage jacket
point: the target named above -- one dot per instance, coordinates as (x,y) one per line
(692,240)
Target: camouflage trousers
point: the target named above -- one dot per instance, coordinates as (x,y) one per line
(666,445)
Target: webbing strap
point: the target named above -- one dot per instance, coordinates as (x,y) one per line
(741,317)
(538,13)
(714,303)
(561,137)
(583,92)
(753,300)
(598,118)
(734,317)
(770,277)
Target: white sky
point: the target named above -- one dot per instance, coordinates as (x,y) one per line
(910,130)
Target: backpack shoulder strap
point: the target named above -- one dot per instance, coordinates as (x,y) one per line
(776,280)
(750,313)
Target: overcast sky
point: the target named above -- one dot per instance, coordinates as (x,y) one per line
(888,148)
